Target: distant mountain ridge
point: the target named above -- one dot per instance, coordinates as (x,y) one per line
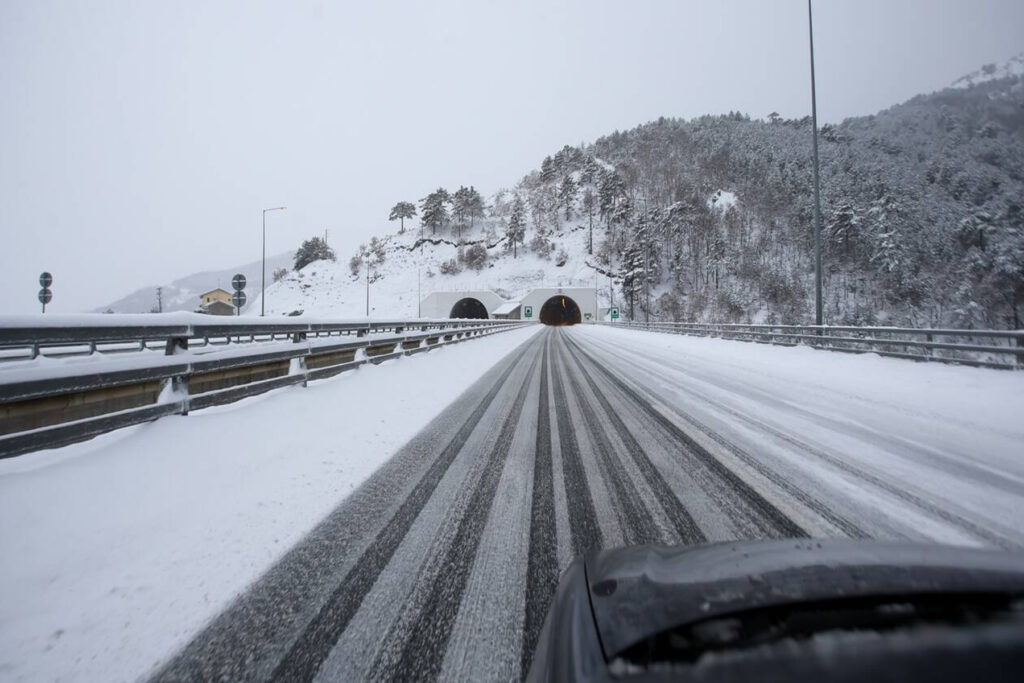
(183,294)
(1014,66)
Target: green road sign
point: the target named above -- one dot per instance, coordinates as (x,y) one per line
(615,312)
(527,311)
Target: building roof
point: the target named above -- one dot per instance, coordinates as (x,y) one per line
(213,291)
(506,308)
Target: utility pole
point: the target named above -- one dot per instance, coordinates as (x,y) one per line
(263,283)
(159,299)
(817,182)
(419,294)
(367,285)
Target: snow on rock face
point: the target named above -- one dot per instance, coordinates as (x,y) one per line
(723,200)
(1013,67)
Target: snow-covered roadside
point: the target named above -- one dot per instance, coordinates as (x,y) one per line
(117,550)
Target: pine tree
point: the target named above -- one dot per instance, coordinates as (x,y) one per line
(475,206)
(515,233)
(313,249)
(548,171)
(400,212)
(589,202)
(460,209)
(434,210)
(632,272)
(567,195)
(610,190)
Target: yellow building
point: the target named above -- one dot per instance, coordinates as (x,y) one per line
(216,301)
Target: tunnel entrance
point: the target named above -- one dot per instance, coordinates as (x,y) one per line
(469,308)
(560,310)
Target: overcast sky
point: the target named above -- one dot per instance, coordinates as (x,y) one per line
(139,141)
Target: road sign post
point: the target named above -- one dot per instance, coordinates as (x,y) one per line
(45,295)
(238,298)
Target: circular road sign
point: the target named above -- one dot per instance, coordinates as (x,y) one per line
(45,279)
(45,295)
(238,282)
(238,298)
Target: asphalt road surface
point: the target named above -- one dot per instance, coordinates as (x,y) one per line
(443,564)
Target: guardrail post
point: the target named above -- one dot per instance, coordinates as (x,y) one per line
(300,362)
(298,337)
(176,345)
(179,385)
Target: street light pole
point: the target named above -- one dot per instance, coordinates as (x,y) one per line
(263,284)
(817,182)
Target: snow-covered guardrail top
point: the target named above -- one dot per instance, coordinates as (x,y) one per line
(92,329)
(64,383)
(997,348)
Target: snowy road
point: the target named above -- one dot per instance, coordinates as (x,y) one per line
(443,563)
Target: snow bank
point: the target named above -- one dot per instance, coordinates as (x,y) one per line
(116,551)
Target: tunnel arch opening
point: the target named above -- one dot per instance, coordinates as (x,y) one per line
(560,310)
(469,308)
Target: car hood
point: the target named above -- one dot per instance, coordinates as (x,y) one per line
(640,591)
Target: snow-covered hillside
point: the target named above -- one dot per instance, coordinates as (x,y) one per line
(413,268)
(410,272)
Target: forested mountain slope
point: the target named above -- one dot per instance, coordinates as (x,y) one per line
(921,203)
(711,219)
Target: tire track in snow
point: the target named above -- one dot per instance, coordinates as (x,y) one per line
(779,525)
(681,519)
(316,641)
(635,519)
(586,534)
(848,527)
(422,654)
(542,563)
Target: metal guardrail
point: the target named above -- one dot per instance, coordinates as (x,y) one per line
(54,404)
(18,342)
(1002,349)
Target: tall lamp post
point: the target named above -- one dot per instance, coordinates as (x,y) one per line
(817,182)
(263,285)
